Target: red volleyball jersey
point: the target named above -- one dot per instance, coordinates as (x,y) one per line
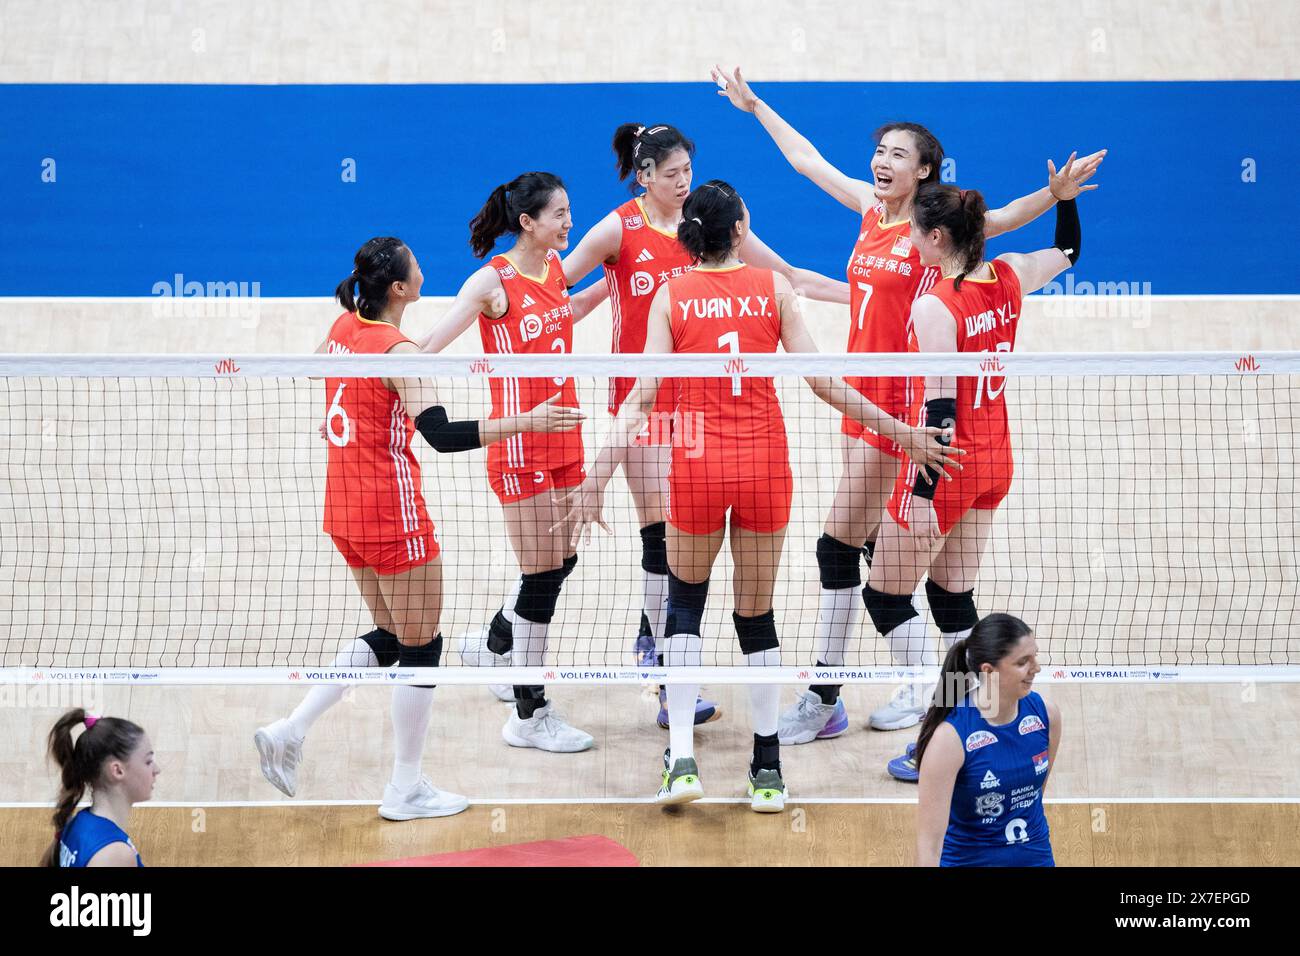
(372,483)
(731,428)
(987,313)
(539,321)
(647,258)
(885,275)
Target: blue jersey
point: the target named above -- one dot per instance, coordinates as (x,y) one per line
(997,814)
(88,833)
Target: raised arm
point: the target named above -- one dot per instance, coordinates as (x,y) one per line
(1062,185)
(922,445)
(799,152)
(586,300)
(812,285)
(940,764)
(420,399)
(482,292)
(1036,269)
(599,245)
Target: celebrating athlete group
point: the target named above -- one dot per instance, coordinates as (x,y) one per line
(925,464)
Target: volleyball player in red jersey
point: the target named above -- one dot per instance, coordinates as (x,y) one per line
(885,276)
(742,467)
(942,528)
(520,302)
(637,245)
(375,514)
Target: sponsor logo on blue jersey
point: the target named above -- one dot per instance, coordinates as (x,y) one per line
(1030,724)
(980,738)
(1040,763)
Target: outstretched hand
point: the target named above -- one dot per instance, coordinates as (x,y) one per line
(1069,181)
(734,88)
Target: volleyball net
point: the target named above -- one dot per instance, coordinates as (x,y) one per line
(161,516)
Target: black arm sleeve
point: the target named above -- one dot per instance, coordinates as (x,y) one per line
(1068,234)
(446,436)
(939,413)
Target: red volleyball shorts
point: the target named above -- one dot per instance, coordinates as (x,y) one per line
(759,505)
(513,486)
(390,556)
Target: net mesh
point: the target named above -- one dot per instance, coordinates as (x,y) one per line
(166,513)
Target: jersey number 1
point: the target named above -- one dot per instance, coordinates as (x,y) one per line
(731,341)
(336,411)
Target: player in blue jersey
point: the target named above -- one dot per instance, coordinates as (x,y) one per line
(113,757)
(987,745)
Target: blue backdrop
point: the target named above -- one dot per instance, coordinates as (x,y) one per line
(244,184)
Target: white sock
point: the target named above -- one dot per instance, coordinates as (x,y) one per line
(910,645)
(764,699)
(682,650)
(508,606)
(412,710)
(530,643)
(654,588)
(839,612)
(355,653)
(952,637)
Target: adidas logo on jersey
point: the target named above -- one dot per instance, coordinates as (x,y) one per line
(990,781)
(645,256)
(528,300)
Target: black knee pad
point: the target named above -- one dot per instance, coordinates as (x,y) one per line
(685,605)
(569,564)
(425,655)
(952,610)
(654,548)
(888,610)
(838,564)
(538,594)
(384,645)
(756,634)
(501,636)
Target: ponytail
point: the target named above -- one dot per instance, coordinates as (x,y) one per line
(525,195)
(954,684)
(80,763)
(378,264)
(992,639)
(960,213)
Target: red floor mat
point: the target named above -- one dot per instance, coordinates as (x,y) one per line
(571,851)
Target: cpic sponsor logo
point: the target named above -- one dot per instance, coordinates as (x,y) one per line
(642,283)
(980,738)
(1030,724)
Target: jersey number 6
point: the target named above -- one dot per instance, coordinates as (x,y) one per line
(336,411)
